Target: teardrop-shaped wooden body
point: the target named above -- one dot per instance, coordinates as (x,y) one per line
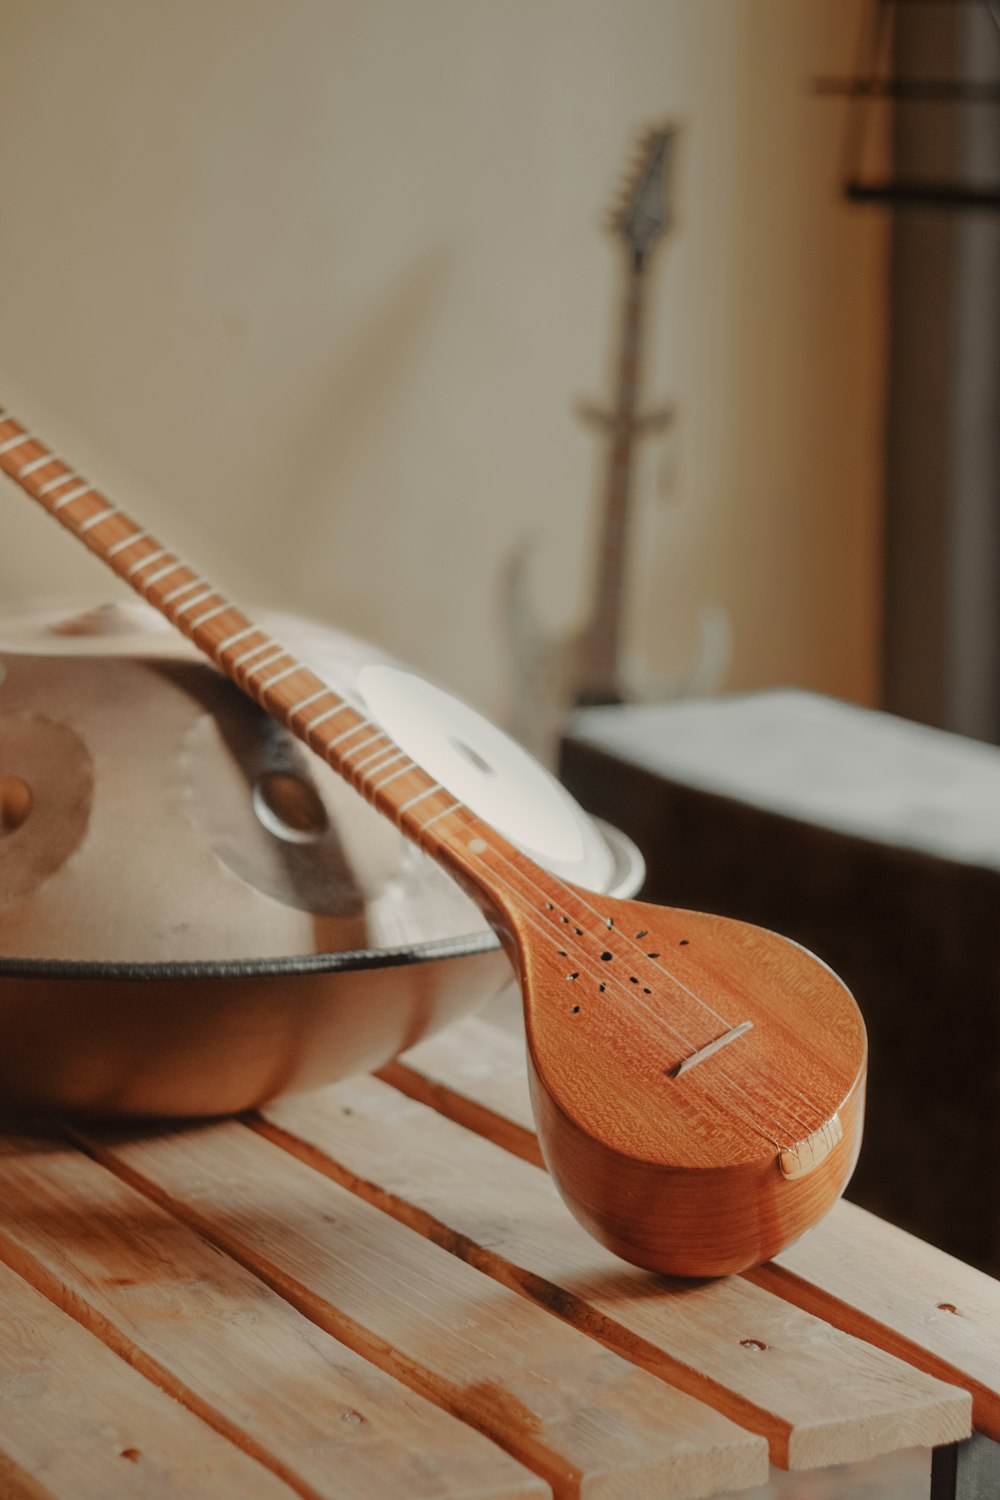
(698,1083)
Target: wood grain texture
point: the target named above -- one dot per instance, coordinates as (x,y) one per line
(477,1075)
(575,1413)
(902,1294)
(685,1172)
(76,1423)
(249,1365)
(817,1395)
(675,1159)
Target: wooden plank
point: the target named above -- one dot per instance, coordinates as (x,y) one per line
(854,1270)
(475,1074)
(818,1395)
(585,1419)
(220,1341)
(76,1423)
(906,1296)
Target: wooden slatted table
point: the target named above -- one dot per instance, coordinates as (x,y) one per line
(373,1291)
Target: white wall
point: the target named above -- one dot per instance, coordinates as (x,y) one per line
(312,286)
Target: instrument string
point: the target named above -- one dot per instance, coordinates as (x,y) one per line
(765,1082)
(555,937)
(612,980)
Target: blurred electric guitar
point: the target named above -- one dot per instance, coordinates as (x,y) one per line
(551,675)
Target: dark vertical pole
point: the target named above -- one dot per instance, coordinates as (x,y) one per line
(921,360)
(966,1471)
(942,544)
(974,696)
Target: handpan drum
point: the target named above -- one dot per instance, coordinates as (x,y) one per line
(195,913)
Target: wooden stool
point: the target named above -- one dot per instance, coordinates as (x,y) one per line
(373,1291)
(874,842)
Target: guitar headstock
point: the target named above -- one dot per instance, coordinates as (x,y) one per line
(642,212)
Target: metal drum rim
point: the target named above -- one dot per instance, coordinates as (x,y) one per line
(251,968)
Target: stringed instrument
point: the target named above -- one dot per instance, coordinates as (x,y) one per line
(698,1083)
(554,674)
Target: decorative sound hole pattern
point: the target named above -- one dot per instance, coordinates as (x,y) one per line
(16,803)
(289,808)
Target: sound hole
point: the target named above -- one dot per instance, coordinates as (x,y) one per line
(15,804)
(472,756)
(289,808)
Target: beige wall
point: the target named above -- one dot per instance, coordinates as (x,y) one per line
(314,285)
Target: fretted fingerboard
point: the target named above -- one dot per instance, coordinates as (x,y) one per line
(337,730)
(603,642)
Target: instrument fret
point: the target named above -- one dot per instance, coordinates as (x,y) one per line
(98,518)
(329,713)
(71,495)
(164,572)
(145,560)
(53,484)
(178,592)
(35,463)
(206,593)
(264,645)
(125,542)
(249,677)
(239,635)
(313,697)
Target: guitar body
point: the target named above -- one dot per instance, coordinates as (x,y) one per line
(552,675)
(716,1168)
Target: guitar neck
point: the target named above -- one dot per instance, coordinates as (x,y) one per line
(600,668)
(288,690)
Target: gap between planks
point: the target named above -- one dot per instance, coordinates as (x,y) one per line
(78,1423)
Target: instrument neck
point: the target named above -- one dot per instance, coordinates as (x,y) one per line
(602,647)
(337,729)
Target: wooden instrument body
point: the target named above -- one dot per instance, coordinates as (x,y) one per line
(718,1168)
